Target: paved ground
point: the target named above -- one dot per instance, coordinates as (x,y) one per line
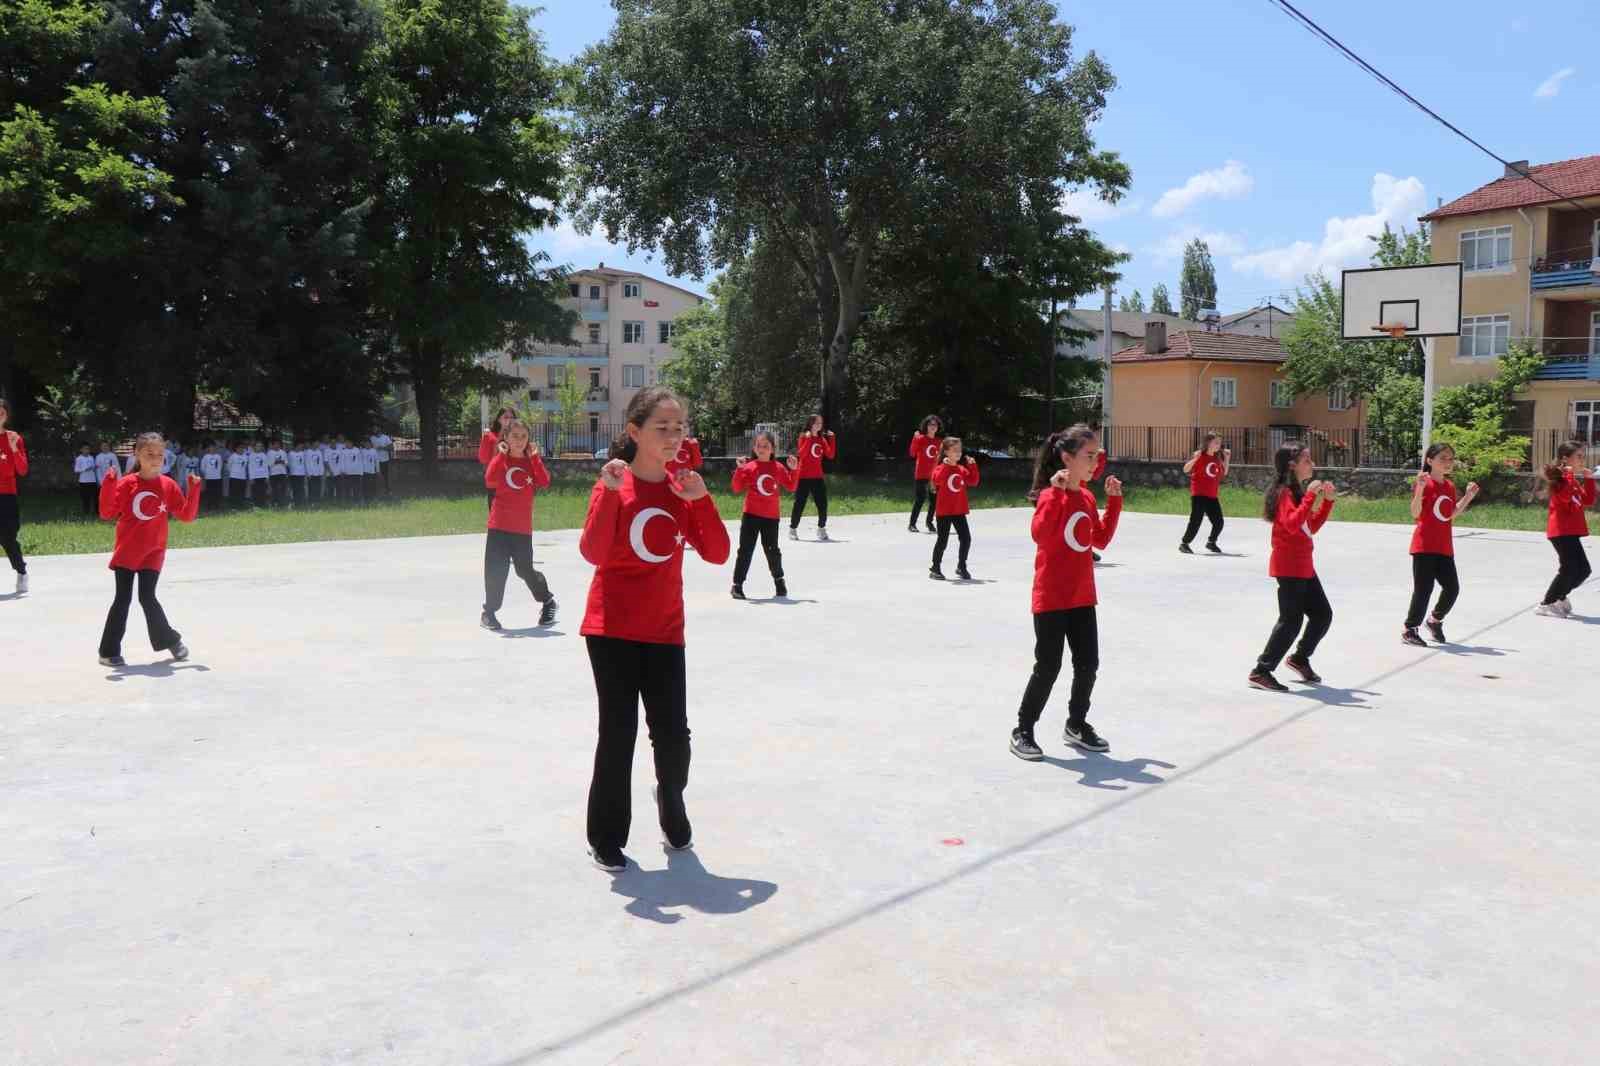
(350,829)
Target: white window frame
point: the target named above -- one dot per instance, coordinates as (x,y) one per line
(1339,399)
(1474,330)
(594,292)
(633,375)
(633,333)
(665,331)
(1589,415)
(555,375)
(1594,334)
(1594,244)
(630,290)
(594,333)
(1493,235)
(1230,393)
(1277,390)
(594,377)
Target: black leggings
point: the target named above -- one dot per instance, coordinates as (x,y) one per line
(88,498)
(1300,600)
(10,525)
(922,497)
(162,635)
(963,534)
(814,487)
(1203,507)
(502,551)
(1573,567)
(1079,630)
(238,492)
(751,527)
(1427,568)
(625,671)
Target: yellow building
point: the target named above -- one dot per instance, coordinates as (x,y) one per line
(1529,258)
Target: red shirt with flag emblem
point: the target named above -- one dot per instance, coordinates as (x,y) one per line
(950,485)
(1435,532)
(514,481)
(1067,528)
(13,462)
(141,507)
(1205,476)
(688,457)
(812,450)
(925,450)
(759,482)
(1291,534)
(1567,503)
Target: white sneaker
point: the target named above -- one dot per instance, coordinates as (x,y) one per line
(1565,605)
(822,534)
(22,583)
(1549,610)
(794,534)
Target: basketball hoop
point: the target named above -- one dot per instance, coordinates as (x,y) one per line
(1395,330)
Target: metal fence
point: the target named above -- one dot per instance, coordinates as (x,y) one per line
(1542,445)
(459,437)
(1256,444)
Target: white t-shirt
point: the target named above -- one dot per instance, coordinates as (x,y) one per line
(369,460)
(297,463)
(258,464)
(313,461)
(133,463)
(350,460)
(83,466)
(277,461)
(211,466)
(238,465)
(103,462)
(330,459)
(383,442)
(167,458)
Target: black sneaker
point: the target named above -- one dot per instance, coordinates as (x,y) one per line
(1084,737)
(683,842)
(780,589)
(547,613)
(935,573)
(1408,635)
(1023,746)
(1211,547)
(930,528)
(1185,549)
(1096,556)
(1303,668)
(115,661)
(737,592)
(610,860)
(1436,630)
(1263,679)
(179,651)
(963,573)
(488,621)
(912,528)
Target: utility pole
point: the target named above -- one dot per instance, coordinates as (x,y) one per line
(1050,354)
(1105,384)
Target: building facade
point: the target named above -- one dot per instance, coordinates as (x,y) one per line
(1268,321)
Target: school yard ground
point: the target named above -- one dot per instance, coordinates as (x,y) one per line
(350,828)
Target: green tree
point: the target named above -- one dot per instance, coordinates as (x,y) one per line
(1197,287)
(1132,303)
(467,159)
(700,372)
(1461,405)
(1160,302)
(832,130)
(1485,452)
(571,396)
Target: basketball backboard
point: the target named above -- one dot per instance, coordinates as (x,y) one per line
(1425,300)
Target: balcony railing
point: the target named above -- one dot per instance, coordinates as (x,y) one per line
(561,350)
(1567,359)
(1564,268)
(586,303)
(552,393)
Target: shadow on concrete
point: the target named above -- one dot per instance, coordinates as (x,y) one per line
(1096,770)
(530,631)
(1332,697)
(10,596)
(162,669)
(973,581)
(1584,619)
(686,883)
(1470,649)
(778,601)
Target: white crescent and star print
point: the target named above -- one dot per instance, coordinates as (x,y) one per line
(765,491)
(636,533)
(1213,470)
(1438,508)
(931,451)
(138,506)
(816,451)
(1071,537)
(511,480)
(957,483)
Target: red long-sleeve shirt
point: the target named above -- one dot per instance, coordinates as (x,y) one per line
(514,481)
(688,457)
(1205,476)
(1435,531)
(811,450)
(1292,532)
(140,507)
(488,447)
(634,537)
(1099,466)
(1567,504)
(950,484)
(759,482)
(1067,528)
(925,450)
(13,462)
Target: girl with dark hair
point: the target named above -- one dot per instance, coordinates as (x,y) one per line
(489,443)
(759,479)
(1569,495)
(1292,506)
(925,450)
(514,475)
(1067,527)
(1206,469)
(688,457)
(812,446)
(13,464)
(639,519)
(1433,554)
(950,481)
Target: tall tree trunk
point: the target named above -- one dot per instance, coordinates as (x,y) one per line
(425,383)
(850,278)
(177,409)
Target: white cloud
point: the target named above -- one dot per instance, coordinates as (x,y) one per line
(1551,86)
(1230,182)
(1086,204)
(1220,242)
(563,241)
(1395,201)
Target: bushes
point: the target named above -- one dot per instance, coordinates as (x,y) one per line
(1485,453)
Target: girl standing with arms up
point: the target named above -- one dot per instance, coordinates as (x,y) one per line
(1206,469)
(688,457)
(514,475)
(1570,491)
(758,479)
(950,481)
(489,444)
(812,447)
(1433,550)
(140,504)
(925,450)
(1067,527)
(88,485)
(13,464)
(1296,509)
(639,519)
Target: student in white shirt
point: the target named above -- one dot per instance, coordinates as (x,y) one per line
(238,476)
(260,483)
(88,487)
(385,445)
(297,471)
(168,457)
(211,473)
(369,472)
(278,472)
(330,468)
(106,460)
(349,469)
(314,468)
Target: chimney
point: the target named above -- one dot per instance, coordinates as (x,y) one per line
(602,264)
(1155,338)
(1519,169)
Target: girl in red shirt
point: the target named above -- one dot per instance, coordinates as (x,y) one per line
(1297,508)
(1566,527)
(1067,527)
(925,450)
(13,464)
(489,443)
(813,446)
(513,476)
(1433,553)
(1206,469)
(759,479)
(140,504)
(688,457)
(950,481)
(639,519)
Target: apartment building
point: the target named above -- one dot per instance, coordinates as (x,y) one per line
(624,335)
(1529,257)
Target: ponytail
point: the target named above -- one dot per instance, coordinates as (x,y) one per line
(1283,462)
(1053,456)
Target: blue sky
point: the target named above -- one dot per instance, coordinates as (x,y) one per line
(1241,127)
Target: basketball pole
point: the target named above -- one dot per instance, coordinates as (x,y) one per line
(1427,394)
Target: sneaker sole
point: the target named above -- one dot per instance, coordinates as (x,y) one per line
(1267,688)
(600,865)
(1083,746)
(1025,756)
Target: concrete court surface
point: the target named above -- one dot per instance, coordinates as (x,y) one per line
(350,829)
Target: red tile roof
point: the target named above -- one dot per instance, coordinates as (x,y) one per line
(1198,344)
(1570,177)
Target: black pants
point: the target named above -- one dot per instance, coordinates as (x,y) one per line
(1078,629)
(1426,569)
(751,527)
(963,534)
(88,498)
(162,635)
(383,470)
(502,551)
(10,525)
(1203,507)
(238,492)
(816,488)
(922,497)
(313,488)
(280,489)
(491,499)
(1573,567)
(625,671)
(1300,600)
(211,496)
(261,491)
